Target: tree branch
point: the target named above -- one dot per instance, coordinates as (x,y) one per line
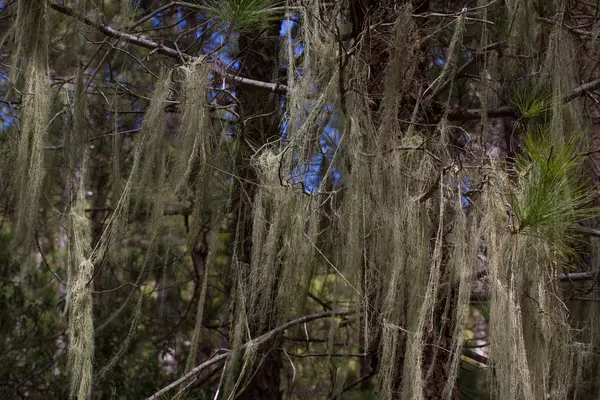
(578,31)
(164,50)
(585,230)
(581,90)
(258,340)
(358,381)
(461,114)
(577,276)
(476,357)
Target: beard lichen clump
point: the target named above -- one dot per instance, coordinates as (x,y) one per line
(81,330)
(30,73)
(195,142)
(526,217)
(81,322)
(81,259)
(284,233)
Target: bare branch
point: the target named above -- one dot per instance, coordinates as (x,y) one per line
(585,230)
(578,31)
(461,114)
(581,90)
(577,276)
(507,111)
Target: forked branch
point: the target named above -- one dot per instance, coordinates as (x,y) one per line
(258,340)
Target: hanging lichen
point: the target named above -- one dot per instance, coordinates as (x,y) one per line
(30,69)
(81,325)
(451,62)
(561,74)
(145,185)
(285,218)
(521,30)
(81,330)
(127,12)
(402,65)
(81,267)
(465,245)
(194,143)
(530,327)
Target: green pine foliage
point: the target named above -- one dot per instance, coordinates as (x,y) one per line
(551,193)
(533,100)
(244,15)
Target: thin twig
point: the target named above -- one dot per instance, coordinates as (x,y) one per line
(358,381)
(39,247)
(147,17)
